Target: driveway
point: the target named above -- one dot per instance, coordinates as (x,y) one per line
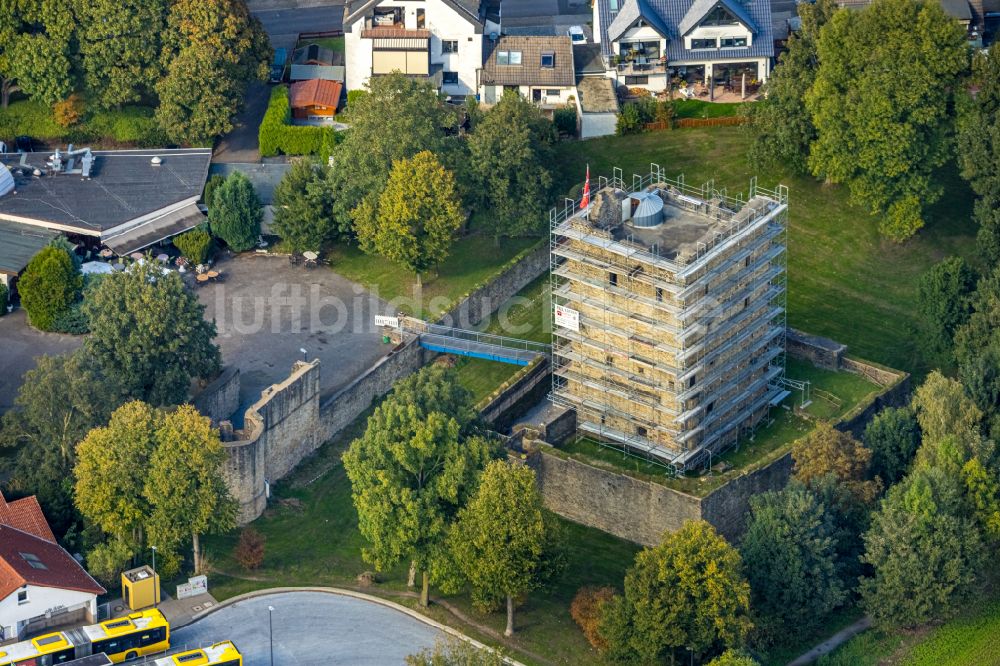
(18,349)
(267,310)
(312,628)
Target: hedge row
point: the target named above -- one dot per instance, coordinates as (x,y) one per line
(277,135)
(133,125)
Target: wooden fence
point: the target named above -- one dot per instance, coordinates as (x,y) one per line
(697,122)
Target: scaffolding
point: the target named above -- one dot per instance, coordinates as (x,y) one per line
(675,348)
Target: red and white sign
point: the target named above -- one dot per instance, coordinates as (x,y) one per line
(567,318)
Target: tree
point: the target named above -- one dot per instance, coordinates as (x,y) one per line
(417,215)
(498,540)
(49,286)
(211,50)
(893,436)
(456,652)
(303,207)
(58,403)
(945,302)
(111,471)
(978,126)
(687,592)
(781,123)
(586,609)
(410,473)
(982,490)
(149,336)
(943,409)
(35,39)
(249,550)
(510,156)
(881,106)
(977,350)
(926,555)
(185,486)
(789,552)
(236,213)
(119,45)
(828,451)
(734,658)
(363,160)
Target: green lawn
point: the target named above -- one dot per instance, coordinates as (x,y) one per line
(474,259)
(335,44)
(312,536)
(844,281)
(696,108)
(847,389)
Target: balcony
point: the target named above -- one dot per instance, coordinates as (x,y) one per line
(640,66)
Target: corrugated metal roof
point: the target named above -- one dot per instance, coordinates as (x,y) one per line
(325,72)
(19,243)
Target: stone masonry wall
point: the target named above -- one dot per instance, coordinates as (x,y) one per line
(221,398)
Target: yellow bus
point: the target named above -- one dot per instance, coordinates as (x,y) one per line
(220,654)
(121,639)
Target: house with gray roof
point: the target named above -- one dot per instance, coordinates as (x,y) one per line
(538,67)
(126,200)
(645,43)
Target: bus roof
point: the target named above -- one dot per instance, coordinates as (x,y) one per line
(207,655)
(124,625)
(36,646)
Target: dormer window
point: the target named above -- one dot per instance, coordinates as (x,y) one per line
(719,16)
(508,57)
(733,42)
(703,44)
(548,60)
(613,6)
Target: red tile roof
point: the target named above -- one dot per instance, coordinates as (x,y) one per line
(26,515)
(54,567)
(314,92)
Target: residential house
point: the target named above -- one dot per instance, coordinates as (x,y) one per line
(41,585)
(645,43)
(440,41)
(314,99)
(540,68)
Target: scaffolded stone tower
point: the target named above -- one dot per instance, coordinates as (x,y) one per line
(669,314)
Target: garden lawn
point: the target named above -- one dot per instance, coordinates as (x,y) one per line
(312,536)
(335,44)
(128,126)
(474,259)
(696,108)
(844,282)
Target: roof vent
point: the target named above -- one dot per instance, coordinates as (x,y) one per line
(37,173)
(156,161)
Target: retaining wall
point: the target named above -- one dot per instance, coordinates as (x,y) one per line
(221,398)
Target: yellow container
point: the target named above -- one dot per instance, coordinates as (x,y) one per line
(140,587)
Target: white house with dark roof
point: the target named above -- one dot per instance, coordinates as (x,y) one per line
(437,40)
(540,68)
(645,43)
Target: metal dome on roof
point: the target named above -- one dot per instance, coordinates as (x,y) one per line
(649,212)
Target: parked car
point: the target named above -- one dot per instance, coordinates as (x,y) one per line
(278,65)
(577,35)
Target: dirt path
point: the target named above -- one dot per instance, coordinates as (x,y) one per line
(832,643)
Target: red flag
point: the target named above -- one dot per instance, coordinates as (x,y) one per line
(585,201)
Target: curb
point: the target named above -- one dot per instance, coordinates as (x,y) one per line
(451,631)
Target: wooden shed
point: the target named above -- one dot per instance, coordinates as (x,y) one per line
(314,98)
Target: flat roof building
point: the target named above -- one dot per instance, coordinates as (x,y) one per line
(669,325)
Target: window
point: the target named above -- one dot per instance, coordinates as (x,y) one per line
(613,6)
(421,19)
(157,635)
(640,431)
(659,295)
(719,16)
(22,597)
(691,381)
(711,406)
(733,42)
(33,560)
(702,43)
(613,279)
(549,60)
(609,359)
(746,302)
(551,92)
(636,80)
(449,46)
(449,78)
(508,57)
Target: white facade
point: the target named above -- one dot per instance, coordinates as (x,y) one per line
(544,96)
(454,44)
(33,601)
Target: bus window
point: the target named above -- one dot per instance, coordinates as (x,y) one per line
(152,636)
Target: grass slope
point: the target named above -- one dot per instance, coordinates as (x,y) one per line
(844,281)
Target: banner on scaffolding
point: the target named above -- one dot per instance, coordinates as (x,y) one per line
(567,318)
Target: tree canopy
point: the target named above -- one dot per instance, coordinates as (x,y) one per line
(149,335)
(828,451)
(35,57)
(881,106)
(303,207)
(893,436)
(236,213)
(49,286)
(945,302)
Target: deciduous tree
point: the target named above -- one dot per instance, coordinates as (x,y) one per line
(416,218)
(734,658)
(236,213)
(149,335)
(893,436)
(979,126)
(35,40)
(688,592)
(456,652)
(944,302)
(977,350)
(498,540)
(49,286)
(881,106)
(185,485)
(789,552)
(303,207)
(828,451)
(943,409)
(510,155)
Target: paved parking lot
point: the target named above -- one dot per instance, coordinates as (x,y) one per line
(266,310)
(312,628)
(18,349)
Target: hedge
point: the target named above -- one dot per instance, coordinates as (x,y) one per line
(134,125)
(277,135)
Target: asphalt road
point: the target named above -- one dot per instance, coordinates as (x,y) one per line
(283,25)
(21,344)
(312,629)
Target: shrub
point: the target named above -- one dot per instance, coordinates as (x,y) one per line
(49,286)
(4,296)
(354,95)
(235,214)
(276,135)
(73,321)
(69,111)
(629,120)
(250,549)
(131,124)
(210,187)
(195,245)
(586,612)
(565,121)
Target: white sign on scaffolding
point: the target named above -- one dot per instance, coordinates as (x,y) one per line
(567,318)
(390,322)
